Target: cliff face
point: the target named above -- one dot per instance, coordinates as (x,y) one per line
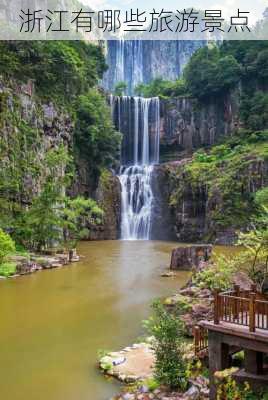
(140,61)
(108,196)
(30,131)
(162,225)
(187,125)
(201,211)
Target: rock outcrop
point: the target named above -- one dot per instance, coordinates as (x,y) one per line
(187,257)
(108,196)
(162,227)
(187,125)
(30,130)
(192,217)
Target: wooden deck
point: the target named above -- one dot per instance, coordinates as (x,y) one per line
(240,323)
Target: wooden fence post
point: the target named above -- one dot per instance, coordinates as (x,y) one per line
(253,288)
(236,301)
(252,315)
(216,307)
(196,339)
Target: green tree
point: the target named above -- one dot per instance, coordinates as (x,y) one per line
(95,138)
(61,70)
(7,245)
(210,73)
(120,88)
(254,110)
(41,225)
(170,366)
(77,214)
(159,87)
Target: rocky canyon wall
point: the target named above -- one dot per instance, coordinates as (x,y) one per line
(202,211)
(187,125)
(141,61)
(213,207)
(30,131)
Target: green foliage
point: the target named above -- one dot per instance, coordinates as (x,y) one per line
(162,88)
(95,137)
(75,214)
(151,383)
(217,275)
(61,69)
(7,269)
(210,73)
(170,366)
(256,254)
(120,88)
(254,110)
(230,390)
(33,183)
(261,197)
(51,215)
(224,173)
(40,226)
(7,245)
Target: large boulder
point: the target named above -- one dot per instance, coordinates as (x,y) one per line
(185,258)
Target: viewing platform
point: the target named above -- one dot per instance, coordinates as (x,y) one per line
(240,323)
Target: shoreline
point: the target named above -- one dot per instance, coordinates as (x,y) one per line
(31,263)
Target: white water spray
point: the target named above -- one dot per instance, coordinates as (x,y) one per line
(139,120)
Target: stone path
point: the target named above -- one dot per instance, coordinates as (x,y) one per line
(137,363)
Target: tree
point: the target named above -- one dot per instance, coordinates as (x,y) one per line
(95,138)
(61,70)
(76,214)
(256,240)
(120,88)
(210,73)
(170,366)
(7,245)
(41,225)
(159,87)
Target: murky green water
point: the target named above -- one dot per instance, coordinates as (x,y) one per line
(52,323)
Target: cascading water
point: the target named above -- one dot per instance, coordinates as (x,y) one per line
(140,61)
(139,121)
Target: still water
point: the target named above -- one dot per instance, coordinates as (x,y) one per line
(53,323)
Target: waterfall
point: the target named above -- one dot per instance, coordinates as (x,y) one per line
(139,121)
(140,61)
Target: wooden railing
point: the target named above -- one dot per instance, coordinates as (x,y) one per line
(241,307)
(200,340)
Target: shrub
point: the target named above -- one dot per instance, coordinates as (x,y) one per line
(217,275)
(7,245)
(171,369)
(152,384)
(7,269)
(120,88)
(228,389)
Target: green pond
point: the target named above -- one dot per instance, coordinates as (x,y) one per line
(52,323)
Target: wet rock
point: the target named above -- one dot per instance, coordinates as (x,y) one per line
(201,310)
(192,393)
(34,262)
(185,258)
(137,363)
(189,291)
(128,396)
(108,196)
(168,274)
(204,293)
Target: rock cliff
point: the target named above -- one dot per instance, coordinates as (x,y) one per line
(201,211)
(187,125)
(30,129)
